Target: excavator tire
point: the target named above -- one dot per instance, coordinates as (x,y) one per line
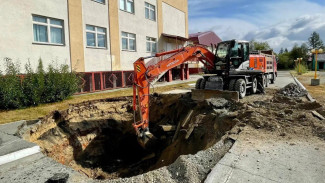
(240,87)
(202,84)
(198,83)
(232,84)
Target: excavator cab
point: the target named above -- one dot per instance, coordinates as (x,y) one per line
(231,55)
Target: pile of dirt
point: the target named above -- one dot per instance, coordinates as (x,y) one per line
(283,115)
(293,90)
(96,138)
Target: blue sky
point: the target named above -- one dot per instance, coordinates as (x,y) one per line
(280,22)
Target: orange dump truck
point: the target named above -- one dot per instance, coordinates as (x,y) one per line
(264,61)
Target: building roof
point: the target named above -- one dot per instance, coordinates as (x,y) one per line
(175,37)
(205,38)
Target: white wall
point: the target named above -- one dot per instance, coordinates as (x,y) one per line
(173,21)
(142,27)
(96,14)
(16,32)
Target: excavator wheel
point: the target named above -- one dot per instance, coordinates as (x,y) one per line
(240,87)
(198,83)
(202,84)
(232,84)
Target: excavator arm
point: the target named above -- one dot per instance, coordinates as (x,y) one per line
(144,75)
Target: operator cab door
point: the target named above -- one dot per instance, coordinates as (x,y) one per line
(239,53)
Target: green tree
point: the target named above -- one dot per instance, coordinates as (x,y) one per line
(315,41)
(284,61)
(281,51)
(286,50)
(296,52)
(255,45)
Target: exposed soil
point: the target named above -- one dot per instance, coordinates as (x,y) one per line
(97,139)
(283,115)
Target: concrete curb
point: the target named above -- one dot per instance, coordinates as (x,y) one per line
(310,98)
(19,154)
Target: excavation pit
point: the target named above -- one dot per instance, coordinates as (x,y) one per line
(96,138)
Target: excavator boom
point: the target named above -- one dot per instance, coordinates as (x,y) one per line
(144,75)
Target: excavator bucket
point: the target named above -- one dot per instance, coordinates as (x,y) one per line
(147,140)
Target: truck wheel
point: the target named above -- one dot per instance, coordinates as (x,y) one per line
(254,86)
(273,78)
(198,83)
(263,81)
(267,81)
(240,87)
(232,84)
(202,84)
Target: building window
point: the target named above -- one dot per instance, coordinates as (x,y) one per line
(128,41)
(48,30)
(100,1)
(151,44)
(96,36)
(150,11)
(127,5)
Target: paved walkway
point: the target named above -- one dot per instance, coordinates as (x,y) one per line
(263,158)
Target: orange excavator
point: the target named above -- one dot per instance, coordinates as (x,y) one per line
(145,74)
(231,67)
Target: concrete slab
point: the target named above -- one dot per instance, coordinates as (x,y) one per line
(44,166)
(10,143)
(11,128)
(264,160)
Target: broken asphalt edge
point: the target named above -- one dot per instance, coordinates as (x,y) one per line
(13,156)
(309,97)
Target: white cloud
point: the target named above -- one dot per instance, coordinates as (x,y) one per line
(287,33)
(282,24)
(225,28)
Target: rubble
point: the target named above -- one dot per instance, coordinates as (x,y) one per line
(293,90)
(58,178)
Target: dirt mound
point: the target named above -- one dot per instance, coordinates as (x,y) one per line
(97,138)
(292,90)
(283,115)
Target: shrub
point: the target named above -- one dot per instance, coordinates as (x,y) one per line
(34,88)
(303,68)
(33,84)
(11,94)
(60,83)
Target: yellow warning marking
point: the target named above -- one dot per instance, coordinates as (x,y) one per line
(138,68)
